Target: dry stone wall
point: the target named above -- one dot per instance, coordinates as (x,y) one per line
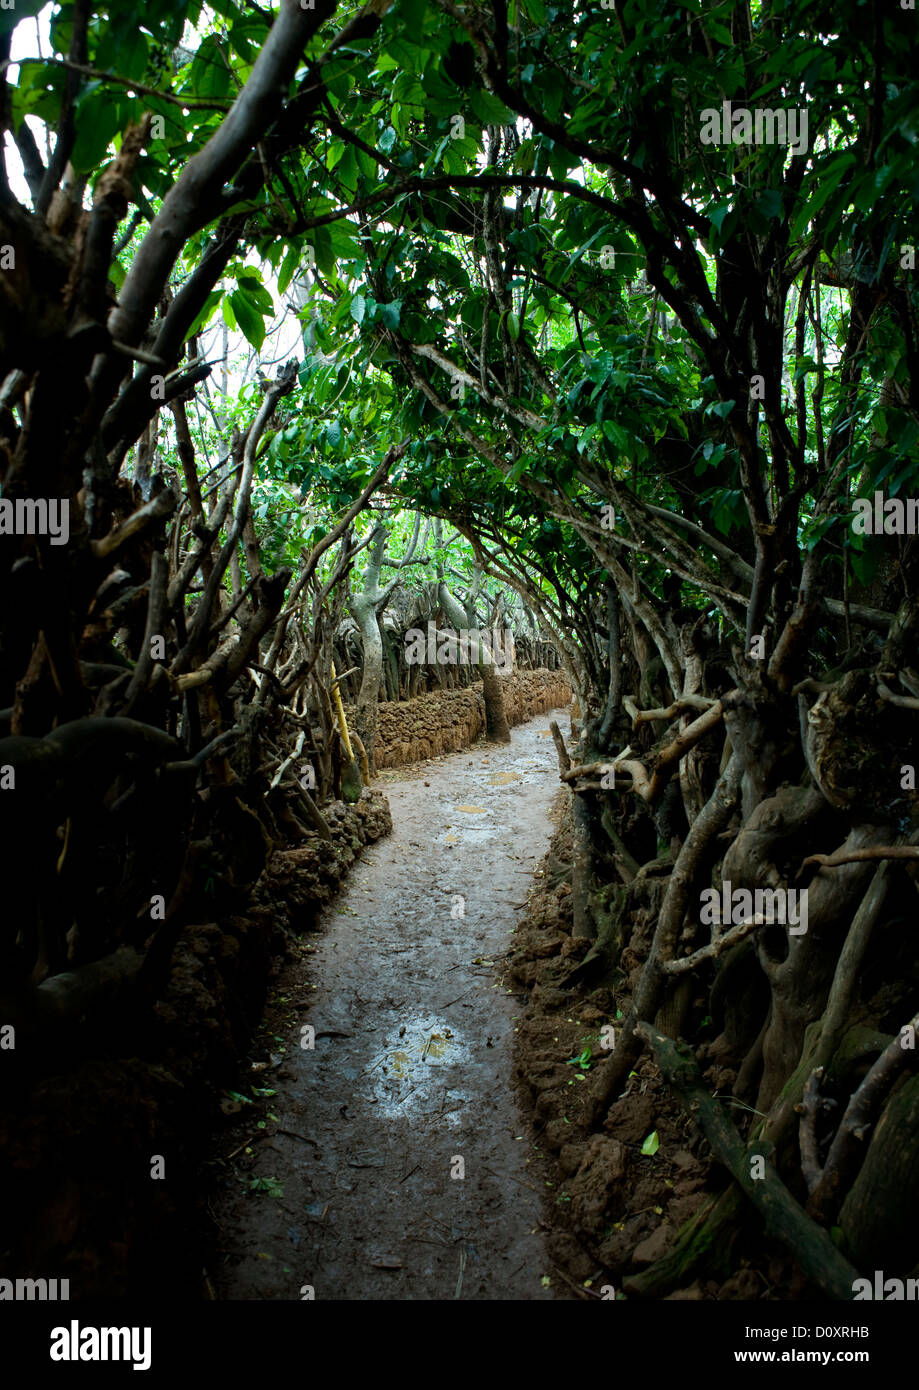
(450,720)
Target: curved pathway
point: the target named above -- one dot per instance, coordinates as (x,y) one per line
(406,1169)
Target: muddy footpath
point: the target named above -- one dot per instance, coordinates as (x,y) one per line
(375,1149)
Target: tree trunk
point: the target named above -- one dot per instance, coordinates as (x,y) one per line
(365,717)
(497,729)
(364,608)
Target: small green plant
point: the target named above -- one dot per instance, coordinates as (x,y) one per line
(651,1144)
(269,1186)
(582,1060)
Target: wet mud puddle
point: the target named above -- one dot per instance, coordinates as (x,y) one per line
(399,1167)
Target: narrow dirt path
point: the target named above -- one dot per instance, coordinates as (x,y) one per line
(406,1167)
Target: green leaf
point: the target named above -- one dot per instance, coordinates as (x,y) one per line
(616,436)
(98,122)
(651,1144)
(769,203)
(208,75)
(271,1187)
(207,313)
(347,170)
(826,180)
(367,164)
(321,238)
(249,318)
(288,269)
(489,109)
(343,240)
(391,313)
(358,305)
(255,291)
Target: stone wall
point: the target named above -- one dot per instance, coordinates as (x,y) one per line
(449,721)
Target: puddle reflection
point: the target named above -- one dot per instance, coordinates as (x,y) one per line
(416,1071)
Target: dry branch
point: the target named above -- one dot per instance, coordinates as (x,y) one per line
(717,946)
(162,505)
(838,1005)
(854,856)
(807,1130)
(784,1218)
(564,762)
(848,1147)
(684,702)
(901,701)
(713,818)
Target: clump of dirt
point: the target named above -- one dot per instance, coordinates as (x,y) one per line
(300,882)
(448,721)
(623,1193)
(103,1153)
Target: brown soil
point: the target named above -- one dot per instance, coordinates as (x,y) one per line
(616,1207)
(344,1177)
